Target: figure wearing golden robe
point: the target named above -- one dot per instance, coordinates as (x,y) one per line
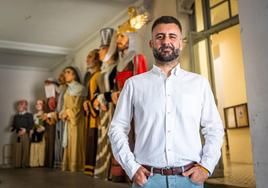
(74,129)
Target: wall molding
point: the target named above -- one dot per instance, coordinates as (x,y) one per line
(35,48)
(25,68)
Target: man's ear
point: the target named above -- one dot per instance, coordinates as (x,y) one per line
(181,44)
(151,44)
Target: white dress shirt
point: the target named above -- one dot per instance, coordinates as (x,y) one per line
(168,113)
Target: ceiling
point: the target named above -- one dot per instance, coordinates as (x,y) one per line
(39,33)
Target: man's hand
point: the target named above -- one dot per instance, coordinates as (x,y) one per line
(196,174)
(85,105)
(44,117)
(141,176)
(63,116)
(115,96)
(40,129)
(96,104)
(22,131)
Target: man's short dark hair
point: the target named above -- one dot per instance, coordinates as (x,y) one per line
(166,20)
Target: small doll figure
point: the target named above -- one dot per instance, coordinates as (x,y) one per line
(37,153)
(22,125)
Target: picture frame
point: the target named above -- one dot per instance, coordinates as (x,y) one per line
(236,116)
(229,114)
(241,113)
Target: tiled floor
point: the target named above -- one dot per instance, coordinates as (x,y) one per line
(240,175)
(235,174)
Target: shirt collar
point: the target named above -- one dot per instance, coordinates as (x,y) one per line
(23,112)
(175,71)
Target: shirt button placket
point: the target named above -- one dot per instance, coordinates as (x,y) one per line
(168,120)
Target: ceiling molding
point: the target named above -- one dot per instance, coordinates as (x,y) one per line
(25,68)
(35,48)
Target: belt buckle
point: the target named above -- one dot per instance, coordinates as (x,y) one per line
(165,168)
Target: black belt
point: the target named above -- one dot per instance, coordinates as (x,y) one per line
(167,171)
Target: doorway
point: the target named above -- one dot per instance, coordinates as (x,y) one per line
(219,58)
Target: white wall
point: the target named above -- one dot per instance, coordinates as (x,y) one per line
(17,84)
(253,17)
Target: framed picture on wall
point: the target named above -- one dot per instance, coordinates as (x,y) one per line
(236,116)
(241,113)
(229,114)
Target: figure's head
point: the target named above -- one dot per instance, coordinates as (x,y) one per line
(122,41)
(39,105)
(52,103)
(22,105)
(93,59)
(108,45)
(166,42)
(61,78)
(103,51)
(71,74)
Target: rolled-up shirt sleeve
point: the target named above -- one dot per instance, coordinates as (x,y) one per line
(119,130)
(212,129)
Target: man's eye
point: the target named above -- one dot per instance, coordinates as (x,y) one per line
(159,37)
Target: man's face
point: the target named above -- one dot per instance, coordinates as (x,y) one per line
(122,41)
(166,42)
(91,60)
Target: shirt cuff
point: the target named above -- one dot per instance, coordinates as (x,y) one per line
(207,166)
(132,168)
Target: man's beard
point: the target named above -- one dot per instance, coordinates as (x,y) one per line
(164,58)
(122,47)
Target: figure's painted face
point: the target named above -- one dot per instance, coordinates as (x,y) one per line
(22,106)
(166,42)
(61,78)
(103,51)
(39,105)
(69,75)
(91,60)
(122,41)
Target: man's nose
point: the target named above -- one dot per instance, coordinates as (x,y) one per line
(166,40)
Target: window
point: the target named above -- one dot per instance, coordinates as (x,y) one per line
(215,12)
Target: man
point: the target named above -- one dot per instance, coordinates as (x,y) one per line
(103,102)
(93,66)
(51,92)
(129,64)
(22,124)
(169,106)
